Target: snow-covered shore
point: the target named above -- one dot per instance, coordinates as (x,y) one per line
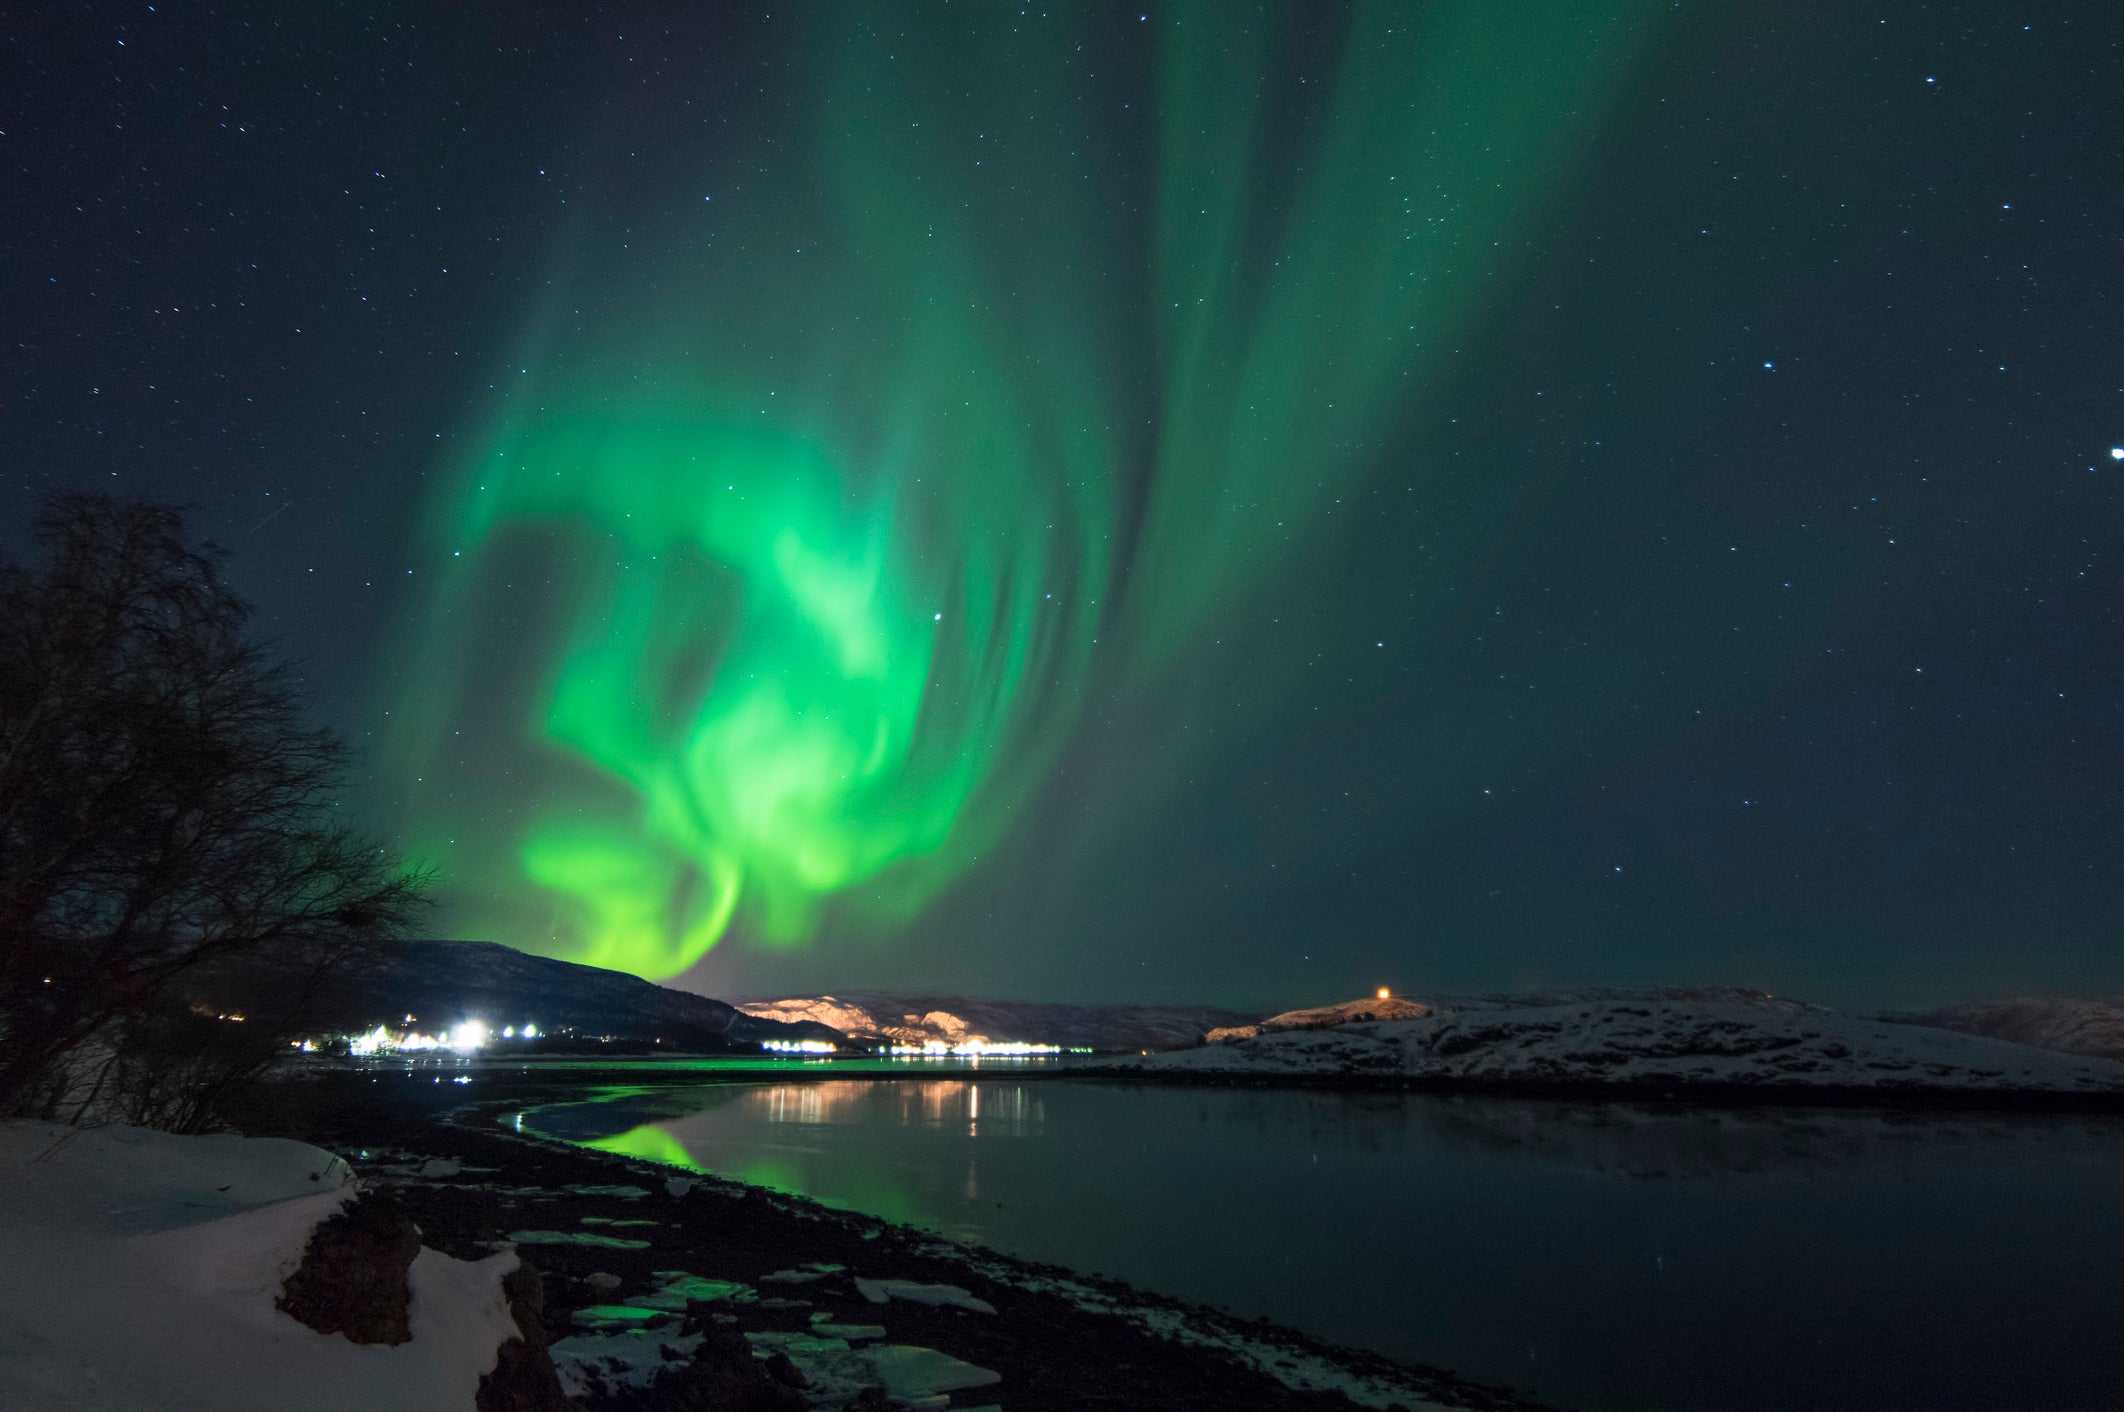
(1661,1041)
(142,1271)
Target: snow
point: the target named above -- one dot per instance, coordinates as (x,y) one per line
(955,1019)
(143,1269)
(1322,1017)
(1298,1366)
(2094,1026)
(607,1242)
(796,1343)
(680,1289)
(1652,1039)
(589,1362)
(913,1376)
(622,1193)
(824,1326)
(618,1316)
(949,1296)
(834,1372)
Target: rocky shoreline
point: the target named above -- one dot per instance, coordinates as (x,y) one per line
(670,1290)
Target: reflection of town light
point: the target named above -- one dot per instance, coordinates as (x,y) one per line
(977,1049)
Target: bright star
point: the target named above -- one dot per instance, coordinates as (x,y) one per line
(2116,453)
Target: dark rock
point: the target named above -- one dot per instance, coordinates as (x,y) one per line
(872,1399)
(352,1279)
(785,1372)
(722,1376)
(523,1379)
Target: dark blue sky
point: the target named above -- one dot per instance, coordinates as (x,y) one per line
(1752,573)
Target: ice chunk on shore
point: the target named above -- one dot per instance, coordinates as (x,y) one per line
(797,1344)
(879,1291)
(822,1323)
(804,1274)
(577,1238)
(610,1361)
(682,1289)
(918,1378)
(618,1316)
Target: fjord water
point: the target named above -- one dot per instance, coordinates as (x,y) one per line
(1596,1256)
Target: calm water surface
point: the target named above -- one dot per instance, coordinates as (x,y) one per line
(1596,1256)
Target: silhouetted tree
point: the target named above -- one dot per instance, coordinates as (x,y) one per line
(163,807)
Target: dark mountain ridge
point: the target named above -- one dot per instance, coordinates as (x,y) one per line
(445,983)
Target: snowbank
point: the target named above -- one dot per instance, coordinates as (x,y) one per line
(142,1270)
(1656,1040)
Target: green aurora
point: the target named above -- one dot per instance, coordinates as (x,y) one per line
(778,579)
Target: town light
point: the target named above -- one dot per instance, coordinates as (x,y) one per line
(1384,993)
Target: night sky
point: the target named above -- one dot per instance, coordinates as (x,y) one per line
(1210,502)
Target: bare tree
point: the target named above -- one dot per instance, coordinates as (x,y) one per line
(163,806)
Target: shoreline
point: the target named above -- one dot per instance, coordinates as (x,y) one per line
(1911,1098)
(1059,1339)
(671,1072)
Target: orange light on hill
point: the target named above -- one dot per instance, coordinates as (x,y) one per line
(1384,993)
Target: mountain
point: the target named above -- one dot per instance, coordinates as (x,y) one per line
(442,983)
(1655,1041)
(2093,1027)
(1324,1017)
(954,1019)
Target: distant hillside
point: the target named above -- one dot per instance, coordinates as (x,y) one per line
(442,983)
(953,1019)
(2072,1026)
(1635,1042)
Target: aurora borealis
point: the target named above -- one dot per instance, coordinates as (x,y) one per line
(1224,503)
(825,577)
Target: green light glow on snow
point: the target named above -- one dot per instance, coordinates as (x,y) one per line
(791,554)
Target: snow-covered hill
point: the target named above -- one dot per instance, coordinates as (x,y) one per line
(1655,1041)
(954,1019)
(1323,1017)
(2093,1027)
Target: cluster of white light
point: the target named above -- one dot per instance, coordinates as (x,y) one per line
(797,1046)
(977,1048)
(464,1038)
